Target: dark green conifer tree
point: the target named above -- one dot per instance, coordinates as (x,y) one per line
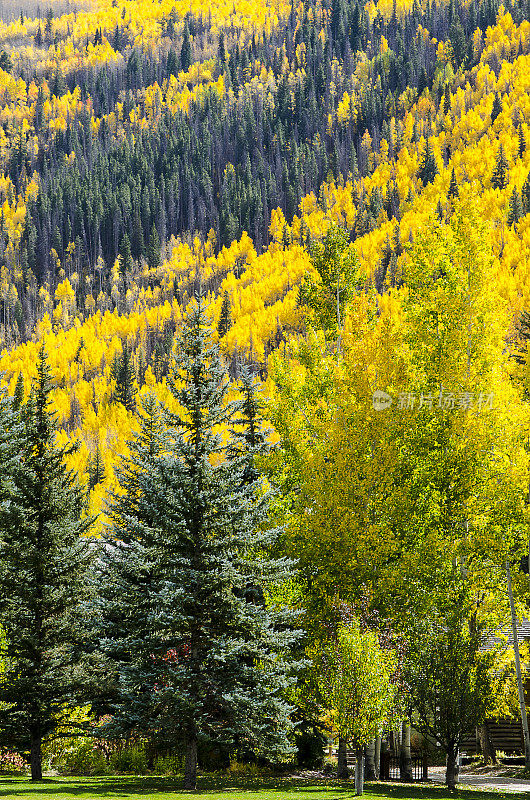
(224,318)
(44,558)
(172,64)
(153,249)
(125,255)
(18,396)
(525,195)
(221,51)
(522,141)
(515,207)
(499,179)
(122,372)
(496,108)
(198,654)
(428,169)
(96,468)
(447,98)
(185,51)
(453,185)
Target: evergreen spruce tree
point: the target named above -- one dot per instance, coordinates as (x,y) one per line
(499,179)
(185,51)
(447,99)
(18,396)
(44,558)
(198,655)
(496,108)
(522,141)
(125,255)
(221,51)
(224,317)
(428,169)
(515,207)
(137,237)
(123,374)
(453,185)
(525,195)
(96,468)
(153,249)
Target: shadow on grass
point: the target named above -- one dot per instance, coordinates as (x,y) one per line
(139,786)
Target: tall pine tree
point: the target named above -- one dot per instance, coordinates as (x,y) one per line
(428,169)
(499,179)
(199,656)
(123,375)
(44,557)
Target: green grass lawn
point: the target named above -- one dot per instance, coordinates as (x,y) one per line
(157,788)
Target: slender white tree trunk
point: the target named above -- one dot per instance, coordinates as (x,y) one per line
(359,771)
(377,756)
(405,761)
(370,761)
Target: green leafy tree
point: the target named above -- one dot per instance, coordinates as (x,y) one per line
(356,683)
(449,673)
(198,653)
(44,558)
(327,292)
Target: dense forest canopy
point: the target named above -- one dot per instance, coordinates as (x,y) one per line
(151,149)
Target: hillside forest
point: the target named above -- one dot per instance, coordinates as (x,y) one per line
(336,194)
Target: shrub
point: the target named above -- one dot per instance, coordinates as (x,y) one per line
(11,763)
(239,769)
(129,760)
(169,764)
(82,758)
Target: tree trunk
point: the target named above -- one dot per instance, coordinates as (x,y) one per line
(405,758)
(451,771)
(488,753)
(36,754)
(384,761)
(370,770)
(377,756)
(359,770)
(342,761)
(520,687)
(190,762)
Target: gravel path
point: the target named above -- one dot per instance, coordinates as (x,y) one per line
(502,783)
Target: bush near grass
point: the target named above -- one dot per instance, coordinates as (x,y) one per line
(241,769)
(129,761)
(82,758)
(169,764)
(12,763)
